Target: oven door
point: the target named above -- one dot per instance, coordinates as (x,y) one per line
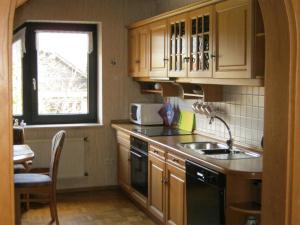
(139,171)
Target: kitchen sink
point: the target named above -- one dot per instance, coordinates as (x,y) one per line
(206,147)
(218,151)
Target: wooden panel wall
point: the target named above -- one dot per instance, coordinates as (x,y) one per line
(118,89)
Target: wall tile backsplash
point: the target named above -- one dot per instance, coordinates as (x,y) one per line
(242,108)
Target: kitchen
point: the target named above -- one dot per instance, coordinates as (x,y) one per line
(128,90)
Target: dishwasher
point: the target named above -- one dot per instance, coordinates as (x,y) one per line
(205,195)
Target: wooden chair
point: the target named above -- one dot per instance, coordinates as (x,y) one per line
(32,183)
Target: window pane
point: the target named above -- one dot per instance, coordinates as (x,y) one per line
(17,78)
(62,59)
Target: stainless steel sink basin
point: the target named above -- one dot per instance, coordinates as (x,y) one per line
(206,147)
(217,151)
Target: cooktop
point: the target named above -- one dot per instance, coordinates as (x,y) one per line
(153,131)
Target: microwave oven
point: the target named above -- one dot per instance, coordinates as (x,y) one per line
(145,113)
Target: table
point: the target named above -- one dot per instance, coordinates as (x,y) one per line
(22,154)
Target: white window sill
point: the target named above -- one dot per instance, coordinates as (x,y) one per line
(73,125)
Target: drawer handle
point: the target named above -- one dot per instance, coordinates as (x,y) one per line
(175,160)
(155,151)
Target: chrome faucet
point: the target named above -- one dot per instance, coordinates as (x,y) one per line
(230,141)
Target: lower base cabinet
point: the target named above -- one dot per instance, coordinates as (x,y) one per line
(167,194)
(156,184)
(175,195)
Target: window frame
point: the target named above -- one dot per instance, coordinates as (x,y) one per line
(30,68)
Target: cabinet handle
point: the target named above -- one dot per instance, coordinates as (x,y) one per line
(137,61)
(155,151)
(186,59)
(165,59)
(166,181)
(175,160)
(213,56)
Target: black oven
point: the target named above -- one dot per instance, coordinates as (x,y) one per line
(139,165)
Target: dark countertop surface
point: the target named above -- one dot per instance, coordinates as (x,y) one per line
(250,167)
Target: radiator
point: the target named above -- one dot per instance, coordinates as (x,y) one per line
(72,161)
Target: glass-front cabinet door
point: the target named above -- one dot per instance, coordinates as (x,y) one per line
(200,43)
(178,60)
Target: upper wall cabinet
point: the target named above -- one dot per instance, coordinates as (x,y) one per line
(158,49)
(177,46)
(200,43)
(222,43)
(133,52)
(233,38)
(138,56)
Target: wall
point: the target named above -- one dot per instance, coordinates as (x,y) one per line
(118,89)
(242,108)
(167,5)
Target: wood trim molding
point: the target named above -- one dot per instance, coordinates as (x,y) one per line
(281,176)
(174,12)
(7,10)
(20,2)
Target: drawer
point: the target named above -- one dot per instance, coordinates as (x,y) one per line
(157,152)
(175,160)
(123,138)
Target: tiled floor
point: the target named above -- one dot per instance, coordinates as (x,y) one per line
(90,208)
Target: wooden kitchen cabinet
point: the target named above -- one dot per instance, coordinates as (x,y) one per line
(175,195)
(158,49)
(177,63)
(124,161)
(233,39)
(167,196)
(133,53)
(200,44)
(138,56)
(156,178)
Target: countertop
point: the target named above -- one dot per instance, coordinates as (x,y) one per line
(251,167)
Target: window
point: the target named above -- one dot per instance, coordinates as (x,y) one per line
(55,73)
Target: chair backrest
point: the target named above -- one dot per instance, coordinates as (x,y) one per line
(56,148)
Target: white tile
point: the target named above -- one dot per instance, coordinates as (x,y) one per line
(255,91)
(254,135)
(261,101)
(243,122)
(261,113)
(244,99)
(248,123)
(238,110)
(248,141)
(260,125)
(249,100)
(248,133)
(249,90)
(243,110)
(261,91)
(255,112)
(249,111)
(255,100)
(243,132)
(254,124)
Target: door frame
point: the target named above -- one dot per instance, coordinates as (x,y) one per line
(281,176)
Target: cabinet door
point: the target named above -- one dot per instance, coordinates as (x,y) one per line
(156,175)
(133,52)
(177,63)
(200,43)
(158,49)
(233,39)
(124,166)
(175,196)
(143,61)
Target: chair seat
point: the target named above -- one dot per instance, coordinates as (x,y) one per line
(31,179)
(19,168)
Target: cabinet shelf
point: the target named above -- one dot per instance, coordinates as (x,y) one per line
(252,208)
